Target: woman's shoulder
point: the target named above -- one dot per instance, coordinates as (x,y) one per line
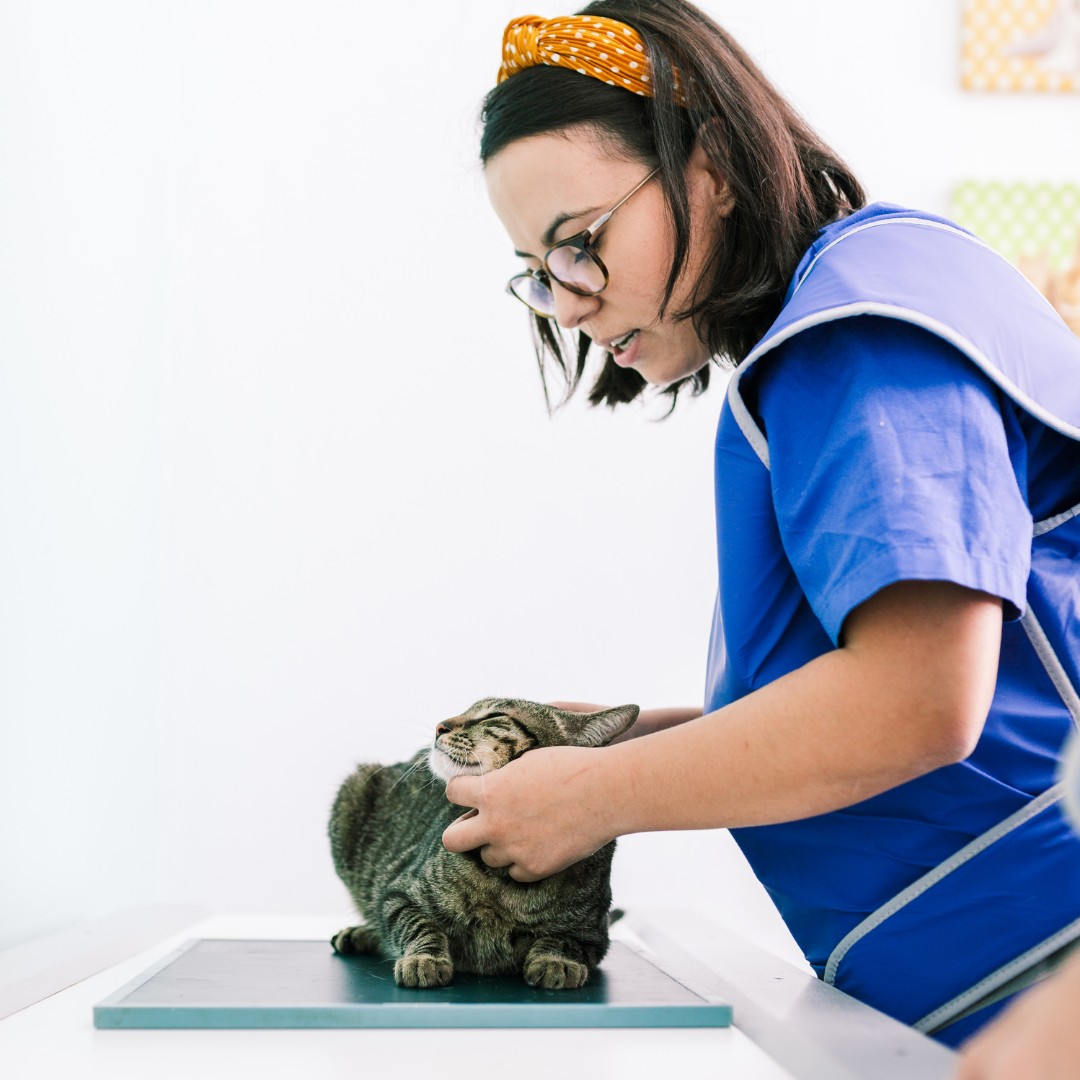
(939,289)
(893,260)
(875,230)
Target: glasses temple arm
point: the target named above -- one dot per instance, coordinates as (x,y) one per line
(602,219)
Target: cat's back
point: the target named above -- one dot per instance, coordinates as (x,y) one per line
(385,817)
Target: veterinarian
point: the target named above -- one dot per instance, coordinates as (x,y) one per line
(895,653)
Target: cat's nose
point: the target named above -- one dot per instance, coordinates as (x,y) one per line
(441,729)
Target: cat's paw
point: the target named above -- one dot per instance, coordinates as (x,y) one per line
(423,970)
(354,939)
(551,972)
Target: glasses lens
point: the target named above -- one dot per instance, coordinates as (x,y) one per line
(529,289)
(574,267)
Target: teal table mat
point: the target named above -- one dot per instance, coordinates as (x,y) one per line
(226,983)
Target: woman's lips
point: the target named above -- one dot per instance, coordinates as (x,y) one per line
(626,357)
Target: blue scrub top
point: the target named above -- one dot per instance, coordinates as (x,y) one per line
(913,415)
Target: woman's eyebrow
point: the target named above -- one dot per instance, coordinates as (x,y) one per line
(549,235)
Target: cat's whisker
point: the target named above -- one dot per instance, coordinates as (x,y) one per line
(381,769)
(408,772)
(432,781)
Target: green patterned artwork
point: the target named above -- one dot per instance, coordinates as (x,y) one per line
(1023,221)
(1037,227)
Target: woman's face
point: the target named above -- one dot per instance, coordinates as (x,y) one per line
(548,187)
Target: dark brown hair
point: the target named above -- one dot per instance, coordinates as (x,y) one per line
(787,184)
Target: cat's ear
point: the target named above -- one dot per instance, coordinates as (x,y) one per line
(597,728)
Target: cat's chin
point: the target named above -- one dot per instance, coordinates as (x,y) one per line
(446,768)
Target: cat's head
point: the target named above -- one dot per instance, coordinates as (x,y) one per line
(494,731)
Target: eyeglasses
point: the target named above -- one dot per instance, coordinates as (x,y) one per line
(572,263)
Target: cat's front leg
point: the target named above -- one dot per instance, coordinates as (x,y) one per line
(425,949)
(355,939)
(424,969)
(556,964)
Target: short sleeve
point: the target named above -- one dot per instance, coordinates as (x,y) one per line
(890,460)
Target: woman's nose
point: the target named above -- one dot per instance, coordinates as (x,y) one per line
(570,309)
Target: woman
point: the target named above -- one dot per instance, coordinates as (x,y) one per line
(894,656)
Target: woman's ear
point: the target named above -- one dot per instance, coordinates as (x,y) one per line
(703,174)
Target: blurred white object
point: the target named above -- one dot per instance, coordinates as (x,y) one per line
(1069,774)
(1057,44)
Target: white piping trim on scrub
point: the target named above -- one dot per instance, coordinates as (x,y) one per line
(885,221)
(940,1016)
(871,307)
(751,432)
(941,227)
(1049,524)
(942,870)
(1054,668)
(742,415)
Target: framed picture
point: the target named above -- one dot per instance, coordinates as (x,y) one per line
(1025,45)
(1035,226)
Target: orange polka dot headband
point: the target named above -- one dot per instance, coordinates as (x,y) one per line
(602,48)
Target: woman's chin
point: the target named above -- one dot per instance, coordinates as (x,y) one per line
(660,374)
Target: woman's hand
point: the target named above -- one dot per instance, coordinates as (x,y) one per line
(537,815)
(1036,1038)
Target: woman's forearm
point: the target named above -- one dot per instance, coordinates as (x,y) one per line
(651,721)
(907,694)
(648,722)
(750,764)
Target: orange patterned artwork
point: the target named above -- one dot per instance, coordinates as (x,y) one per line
(1021,45)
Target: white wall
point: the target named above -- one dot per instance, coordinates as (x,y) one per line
(278,487)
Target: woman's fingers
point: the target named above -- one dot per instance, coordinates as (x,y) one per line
(464,791)
(490,856)
(465,833)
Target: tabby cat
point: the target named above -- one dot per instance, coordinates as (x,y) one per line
(434,911)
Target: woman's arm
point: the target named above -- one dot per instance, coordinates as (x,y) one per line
(907,692)
(648,722)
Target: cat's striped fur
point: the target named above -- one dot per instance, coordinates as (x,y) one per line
(434,911)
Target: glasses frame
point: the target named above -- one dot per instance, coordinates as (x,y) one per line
(582,241)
